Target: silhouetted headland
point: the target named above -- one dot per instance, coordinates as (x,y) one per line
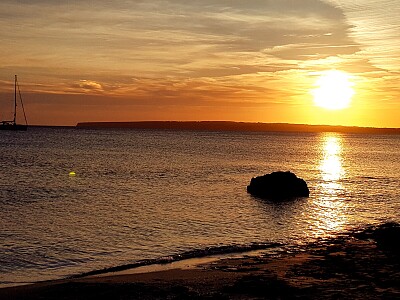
(278,186)
(234,126)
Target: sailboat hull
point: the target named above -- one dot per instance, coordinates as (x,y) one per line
(14,127)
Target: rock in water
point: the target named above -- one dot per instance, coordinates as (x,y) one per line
(385,235)
(278,185)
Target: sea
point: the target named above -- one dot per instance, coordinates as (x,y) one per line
(73,201)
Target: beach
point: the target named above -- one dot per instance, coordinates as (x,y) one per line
(363,264)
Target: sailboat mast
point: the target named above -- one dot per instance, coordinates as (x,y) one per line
(15,99)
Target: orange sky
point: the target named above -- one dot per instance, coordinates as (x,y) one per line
(252,61)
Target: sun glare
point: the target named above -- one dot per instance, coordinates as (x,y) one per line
(334,90)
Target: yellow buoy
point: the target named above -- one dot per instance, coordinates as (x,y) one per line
(72,173)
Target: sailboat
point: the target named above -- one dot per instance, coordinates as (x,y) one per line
(12,125)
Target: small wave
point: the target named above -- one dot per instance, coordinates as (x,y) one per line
(368,177)
(196,253)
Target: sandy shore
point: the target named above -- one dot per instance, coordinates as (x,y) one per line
(362,265)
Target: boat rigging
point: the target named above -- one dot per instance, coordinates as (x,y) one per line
(12,125)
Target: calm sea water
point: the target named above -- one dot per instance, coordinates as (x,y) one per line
(148,194)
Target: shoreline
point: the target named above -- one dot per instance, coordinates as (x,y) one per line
(209,253)
(361,265)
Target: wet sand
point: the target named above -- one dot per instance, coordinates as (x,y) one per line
(360,265)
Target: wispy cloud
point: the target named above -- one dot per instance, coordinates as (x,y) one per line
(375,26)
(165,36)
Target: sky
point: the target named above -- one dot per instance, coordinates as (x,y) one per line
(251,61)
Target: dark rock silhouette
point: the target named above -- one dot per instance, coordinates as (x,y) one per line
(278,186)
(385,235)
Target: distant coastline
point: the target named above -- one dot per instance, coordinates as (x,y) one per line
(234,126)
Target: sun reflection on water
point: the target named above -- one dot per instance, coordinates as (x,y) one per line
(330,210)
(331,163)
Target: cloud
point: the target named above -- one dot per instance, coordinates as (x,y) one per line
(375,26)
(88,85)
(168,36)
(170,39)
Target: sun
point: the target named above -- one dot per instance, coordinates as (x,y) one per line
(334,90)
